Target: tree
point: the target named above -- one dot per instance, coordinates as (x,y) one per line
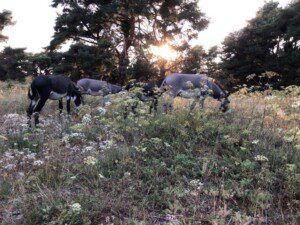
(14,64)
(270,42)
(289,53)
(193,62)
(142,69)
(83,60)
(128,26)
(5,20)
(44,62)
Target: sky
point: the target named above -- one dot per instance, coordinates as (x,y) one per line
(35,19)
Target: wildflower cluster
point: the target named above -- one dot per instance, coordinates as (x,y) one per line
(90,160)
(261,158)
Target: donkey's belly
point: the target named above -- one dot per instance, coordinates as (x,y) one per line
(56,96)
(189,93)
(95,93)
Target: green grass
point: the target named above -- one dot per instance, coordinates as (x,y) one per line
(199,167)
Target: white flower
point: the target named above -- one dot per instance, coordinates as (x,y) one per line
(87,119)
(186,191)
(101,176)
(77,135)
(255,142)
(76,207)
(88,149)
(24,125)
(10,166)
(271,97)
(101,110)
(90,160)
(65,139)
(127,174)
(167,144)
(30,156)
(288,139)
(106,144)
(226,136)
(8,155)
(296,104)
(11,116)
(261,158)
(38,163)
(155,140)
(196,183)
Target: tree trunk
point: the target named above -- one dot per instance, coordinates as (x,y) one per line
(123,62)
(123,56)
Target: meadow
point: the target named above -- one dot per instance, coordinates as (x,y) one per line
(186,167)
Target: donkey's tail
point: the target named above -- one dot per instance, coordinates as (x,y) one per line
(32,93)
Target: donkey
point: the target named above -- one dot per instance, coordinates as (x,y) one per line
(150,92)
(97,87)
(194,86)
(54,87)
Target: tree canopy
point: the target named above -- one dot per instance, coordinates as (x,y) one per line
(270,42)
(5,20)
(127,26)
(14,64)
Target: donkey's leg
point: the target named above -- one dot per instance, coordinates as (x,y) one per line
(69,104)
(194,103)
(169,103)
(38,109)
(126,112)
(60,106)
(153,105)
(103,101)
(84,97)
(134,107)
(201,101)
(30,111)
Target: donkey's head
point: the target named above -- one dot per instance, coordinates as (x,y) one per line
(224,104)
(77,96)
(220,93)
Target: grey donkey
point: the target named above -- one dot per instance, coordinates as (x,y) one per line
(98,88)
(194,86)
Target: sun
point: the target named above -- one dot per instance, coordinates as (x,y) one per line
(163,51)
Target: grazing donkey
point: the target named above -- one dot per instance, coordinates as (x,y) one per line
(194,86)
(54,87)
(150,92)
(97,87)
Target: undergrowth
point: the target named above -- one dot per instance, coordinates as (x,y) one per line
(187,167)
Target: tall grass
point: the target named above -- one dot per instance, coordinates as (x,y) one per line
(187,167)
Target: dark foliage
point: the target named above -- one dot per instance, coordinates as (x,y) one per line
(14,64)
(126,25)
(270,42)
